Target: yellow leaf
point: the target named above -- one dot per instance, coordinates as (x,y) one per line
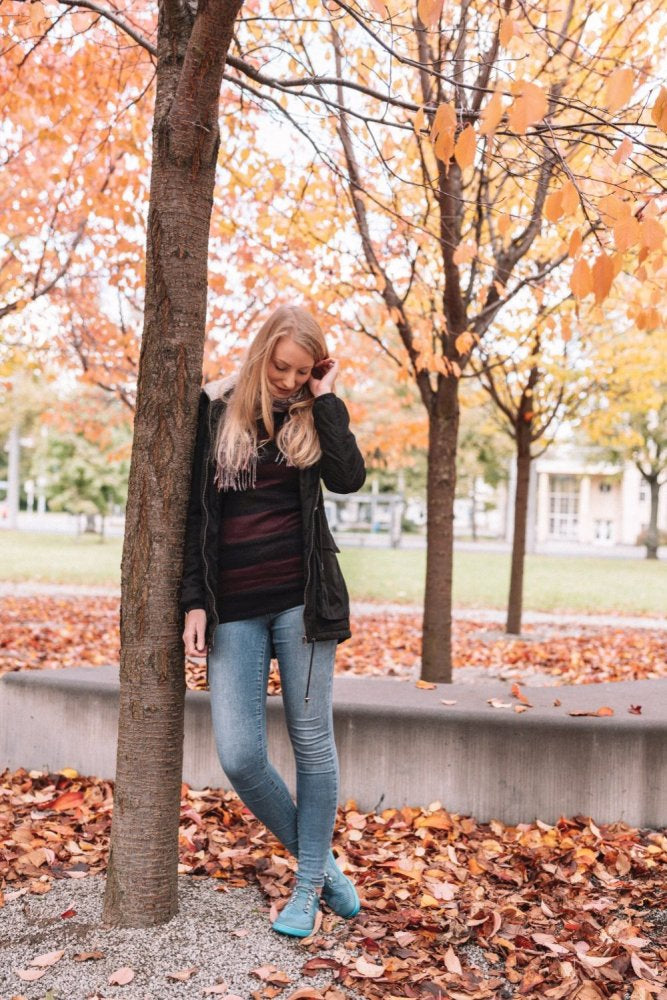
(456,369)
(553,206)
(659,110)
(504,223)
(529,108)
(603,275)
(442,133)
(379,7)
(464,150)
(581,280)
(427,900)
(612,208)
(491,114)
(36,11)
(420,121)
(465,252)
(626,232)
(652,233)
(425,684)
(570,198)
(429,12)
(623,151)
(619,88)
(464,342)
(506,31)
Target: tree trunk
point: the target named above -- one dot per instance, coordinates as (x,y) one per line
(440,488)
(523,460)
(141,886)
(473,509)
(653,531)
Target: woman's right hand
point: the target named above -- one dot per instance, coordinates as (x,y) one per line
(194,633)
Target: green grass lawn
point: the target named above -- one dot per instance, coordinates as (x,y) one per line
(553,583)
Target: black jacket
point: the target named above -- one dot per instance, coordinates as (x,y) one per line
(327,609)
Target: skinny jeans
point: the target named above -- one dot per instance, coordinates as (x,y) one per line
(238,677)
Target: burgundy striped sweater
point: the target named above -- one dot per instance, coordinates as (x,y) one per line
(261,541)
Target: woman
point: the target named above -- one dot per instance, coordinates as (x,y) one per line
(261,579)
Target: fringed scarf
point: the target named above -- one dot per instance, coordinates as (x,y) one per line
(245,478)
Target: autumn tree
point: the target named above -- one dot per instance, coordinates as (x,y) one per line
(517,143)
(536,376)
(189,48)
(629,419)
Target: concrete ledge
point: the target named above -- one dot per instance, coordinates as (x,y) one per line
(397,744)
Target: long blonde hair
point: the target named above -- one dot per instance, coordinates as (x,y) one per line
(249,397)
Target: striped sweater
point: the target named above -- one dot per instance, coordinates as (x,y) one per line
(261,541)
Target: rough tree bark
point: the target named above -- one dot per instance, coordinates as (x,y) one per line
(440,492)
(141,886)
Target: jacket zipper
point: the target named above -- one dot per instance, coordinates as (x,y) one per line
(305,593)
(203,546)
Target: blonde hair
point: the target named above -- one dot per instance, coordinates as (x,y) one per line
(249,397)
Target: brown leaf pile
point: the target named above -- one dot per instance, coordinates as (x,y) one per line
(54,632)
(451,908)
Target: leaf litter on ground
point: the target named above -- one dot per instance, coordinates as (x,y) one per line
(451,907)
(45,632)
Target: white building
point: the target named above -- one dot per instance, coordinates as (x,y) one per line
(581,499)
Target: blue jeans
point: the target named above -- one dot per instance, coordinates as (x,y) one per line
(238,677)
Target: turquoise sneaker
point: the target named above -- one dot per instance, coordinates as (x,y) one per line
(297,917)
(338,891)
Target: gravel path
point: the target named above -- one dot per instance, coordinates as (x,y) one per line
(225,935)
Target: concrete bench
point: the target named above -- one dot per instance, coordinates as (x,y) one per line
(398,744)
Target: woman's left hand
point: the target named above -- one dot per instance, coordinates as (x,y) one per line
(318,386)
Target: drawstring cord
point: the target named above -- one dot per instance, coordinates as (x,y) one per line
(310,667)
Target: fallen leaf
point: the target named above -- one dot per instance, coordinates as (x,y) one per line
(49,958)
(518,693)
(447,701)
(30,975)
(122,976)
(271,973)
(367,969)
(88,956)
(497,703)
(425,684)
(635,710)
(68,913)
(604,710)
(452,963)
(182,975)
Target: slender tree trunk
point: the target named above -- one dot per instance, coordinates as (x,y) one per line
(523,460)
(141,886)
(441,484)
(473,509)
(653,533)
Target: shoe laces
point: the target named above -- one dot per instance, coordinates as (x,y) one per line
(307,893)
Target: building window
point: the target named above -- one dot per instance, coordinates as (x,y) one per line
(605,487)
(643,496)
(563,506)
